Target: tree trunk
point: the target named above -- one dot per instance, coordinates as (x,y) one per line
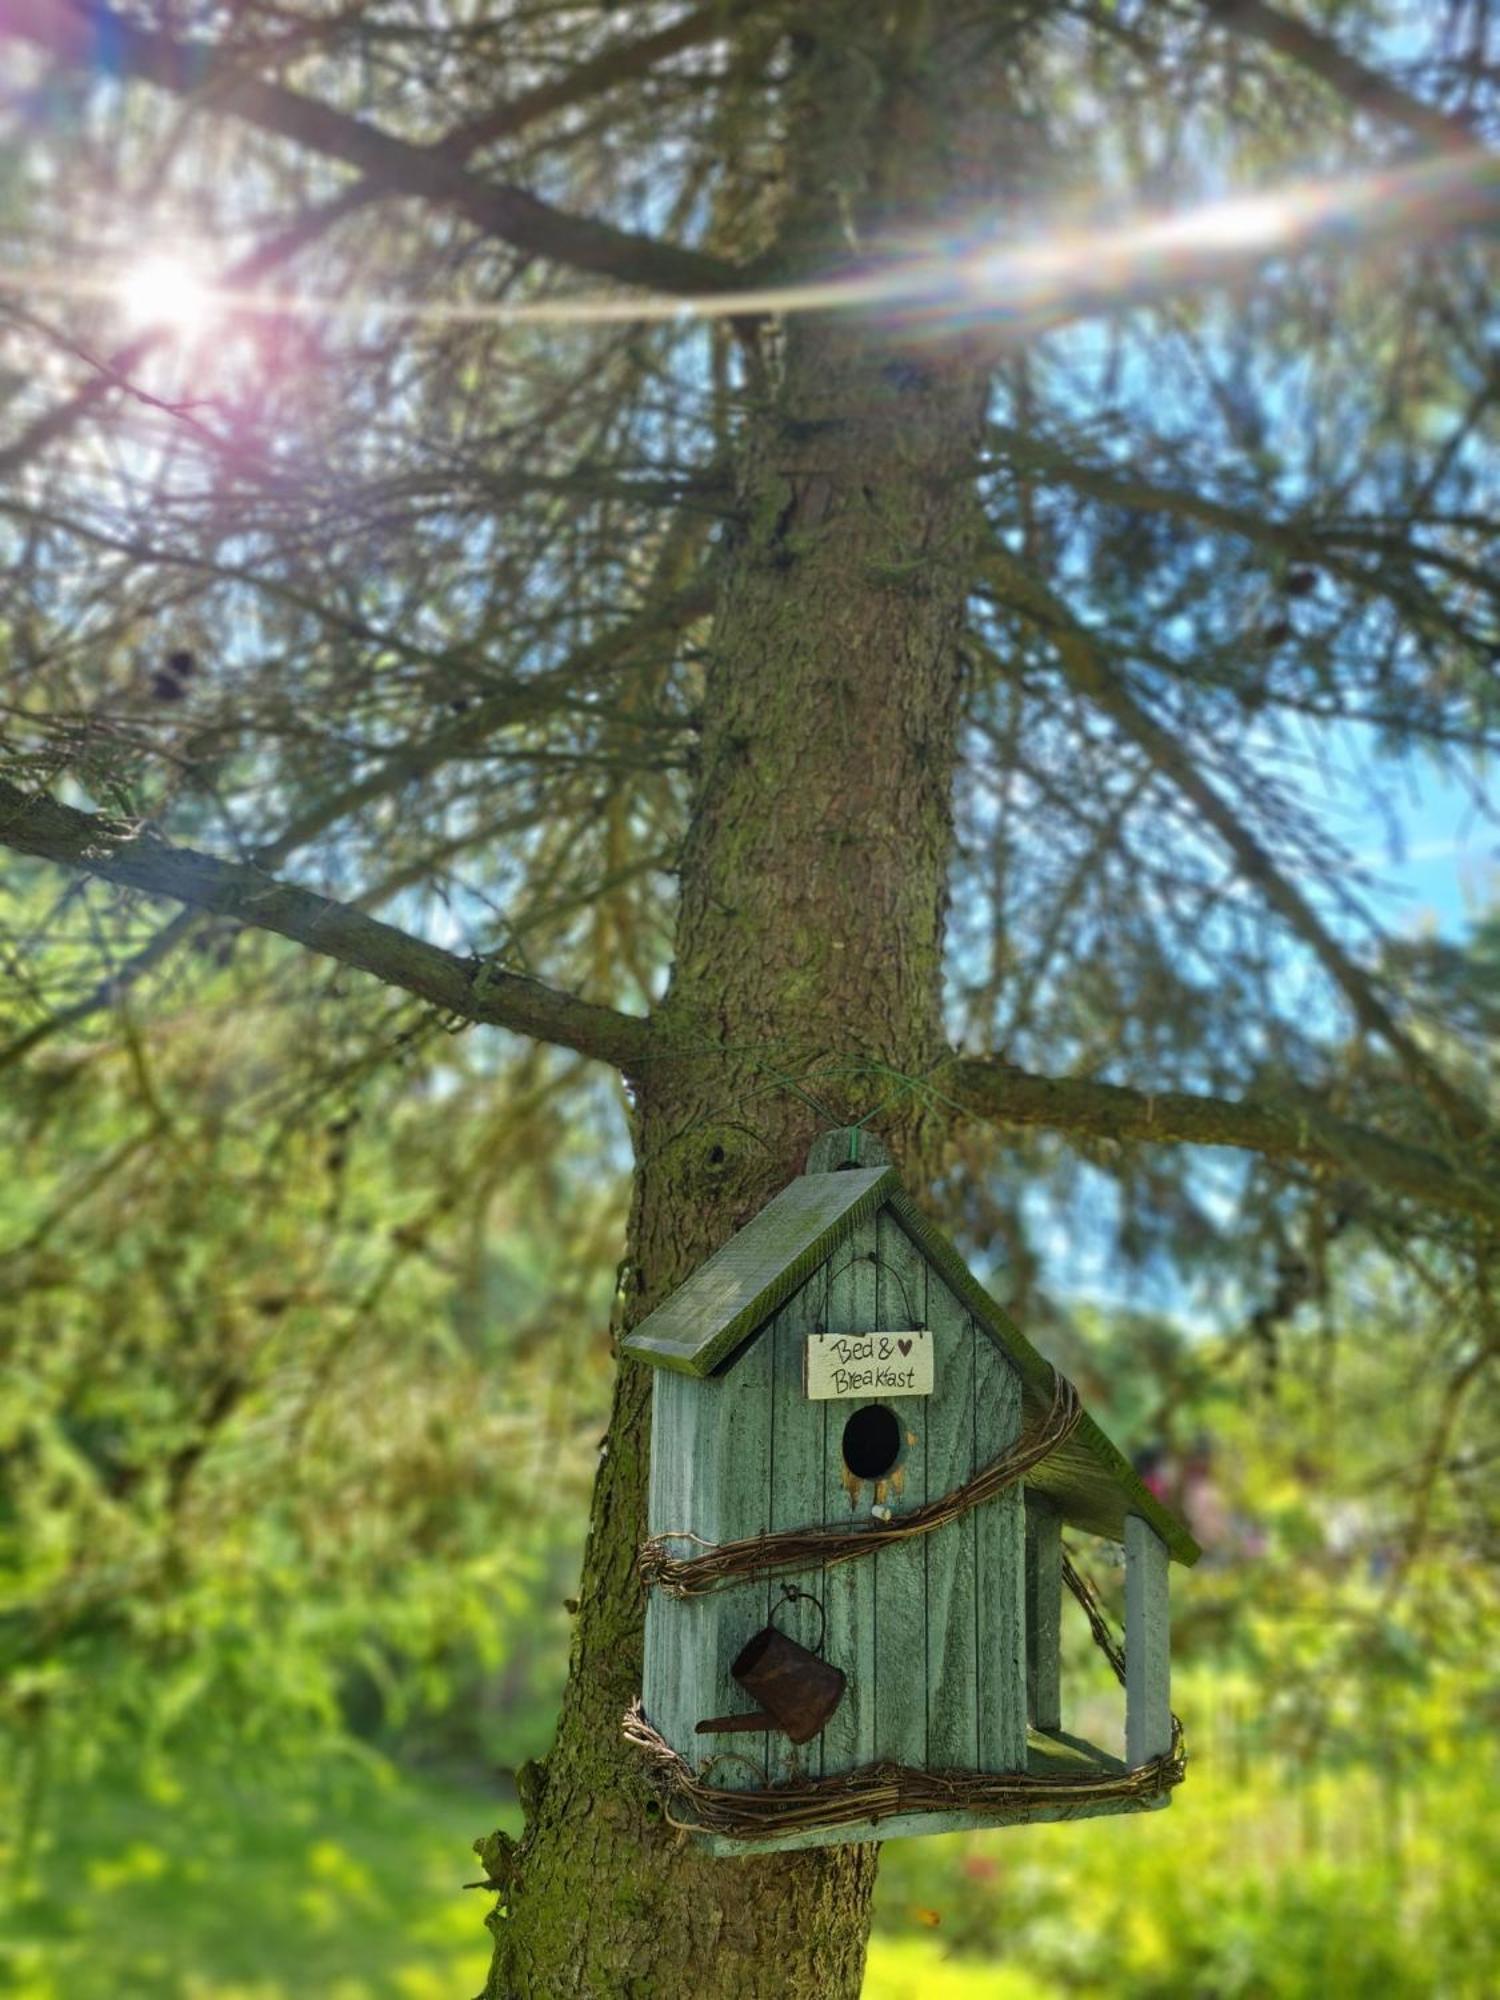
(806,991)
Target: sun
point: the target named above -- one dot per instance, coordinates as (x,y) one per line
(165,293)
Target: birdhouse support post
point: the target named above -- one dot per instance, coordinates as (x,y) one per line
(1148,1682)
(1043,1614)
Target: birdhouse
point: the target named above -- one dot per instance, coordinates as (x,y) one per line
(860,1475)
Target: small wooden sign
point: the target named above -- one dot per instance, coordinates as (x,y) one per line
(868,1364)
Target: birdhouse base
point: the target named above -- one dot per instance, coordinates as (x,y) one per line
(1051,1754)
(906,1826)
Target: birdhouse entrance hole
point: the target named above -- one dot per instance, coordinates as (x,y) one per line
(872,1441)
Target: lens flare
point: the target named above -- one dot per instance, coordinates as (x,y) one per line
(164,293)
(1251,222)
(1026,287)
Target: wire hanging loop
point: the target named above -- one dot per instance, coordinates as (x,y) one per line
(790,1594)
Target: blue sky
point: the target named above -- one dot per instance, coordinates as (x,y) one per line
(1450,871)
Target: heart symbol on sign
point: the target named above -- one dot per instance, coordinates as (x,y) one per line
(904,1345)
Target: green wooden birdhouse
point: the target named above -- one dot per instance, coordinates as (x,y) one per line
(860,1474)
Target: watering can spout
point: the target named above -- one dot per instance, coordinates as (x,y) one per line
(796,1690)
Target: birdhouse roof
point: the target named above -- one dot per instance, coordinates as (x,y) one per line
(701,1328)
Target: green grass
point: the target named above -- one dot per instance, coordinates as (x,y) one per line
(208,1888)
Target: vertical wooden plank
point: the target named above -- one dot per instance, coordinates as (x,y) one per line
(1148,1671)
(1043,1613)
(796,1501)
(901,1572)
(849,1587)
(948,1553)
(679,1631)
(1000,1569)
(740,1403)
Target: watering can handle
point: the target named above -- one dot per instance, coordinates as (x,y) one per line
(790,1594)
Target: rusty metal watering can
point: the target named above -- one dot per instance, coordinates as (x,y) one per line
(796,1690)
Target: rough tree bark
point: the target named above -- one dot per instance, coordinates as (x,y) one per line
(806,982)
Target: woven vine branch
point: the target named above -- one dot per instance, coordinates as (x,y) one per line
(759,1556)
(880,1791)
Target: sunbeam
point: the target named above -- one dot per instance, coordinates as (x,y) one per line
(1016,288)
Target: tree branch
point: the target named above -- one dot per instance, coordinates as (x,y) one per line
(1089,673)
(279,249)
(125,852)
(618,62)
(1366,89)
(993,1090)
(1298,541)
(1352,550)
(102,38)
(489,714)
(107,993)
(614,64)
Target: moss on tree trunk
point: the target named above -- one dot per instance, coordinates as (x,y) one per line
(806,987)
